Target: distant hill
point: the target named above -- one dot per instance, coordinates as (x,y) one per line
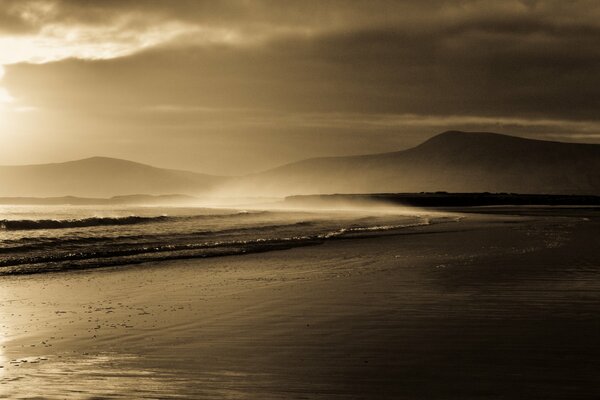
(99,177)
(452,161)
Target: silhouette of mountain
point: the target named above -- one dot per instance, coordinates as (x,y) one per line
(452,161)
(99,177)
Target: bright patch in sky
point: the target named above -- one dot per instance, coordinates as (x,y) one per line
(5,97)
(58,42)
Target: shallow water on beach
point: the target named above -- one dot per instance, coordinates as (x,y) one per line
(123,376)
(504,308)
(42,239)
(108,375)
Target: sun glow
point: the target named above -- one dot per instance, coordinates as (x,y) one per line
(5,97)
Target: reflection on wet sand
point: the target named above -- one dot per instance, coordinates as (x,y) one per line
(100,376)
(499,307)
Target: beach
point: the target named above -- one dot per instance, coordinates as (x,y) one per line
(487,306)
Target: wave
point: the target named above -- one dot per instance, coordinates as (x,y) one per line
(33,224)
(376,228)
(138,253)
(40,243)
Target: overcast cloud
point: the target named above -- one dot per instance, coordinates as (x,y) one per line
(242,86)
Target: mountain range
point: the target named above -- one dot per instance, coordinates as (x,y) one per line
(452,161)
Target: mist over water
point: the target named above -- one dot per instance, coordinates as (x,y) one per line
(35,239)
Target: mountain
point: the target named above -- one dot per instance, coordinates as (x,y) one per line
(99,177)
(452,161)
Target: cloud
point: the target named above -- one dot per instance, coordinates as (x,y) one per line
(115,21)
(504,70)
(295,79)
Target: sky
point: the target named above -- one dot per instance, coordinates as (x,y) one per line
(235,87)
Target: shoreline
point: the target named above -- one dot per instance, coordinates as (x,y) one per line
(481,301)
(73,261)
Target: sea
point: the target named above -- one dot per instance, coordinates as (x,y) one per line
(38,239)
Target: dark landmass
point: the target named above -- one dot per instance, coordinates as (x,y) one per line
(459,162)
(99,177)
(443,199)
(453,161)
(138,199)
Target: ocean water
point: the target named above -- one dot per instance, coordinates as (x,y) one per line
(36,239)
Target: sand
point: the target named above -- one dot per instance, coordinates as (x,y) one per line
(488,307)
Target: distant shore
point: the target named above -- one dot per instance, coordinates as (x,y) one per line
(445,199)
(424,199)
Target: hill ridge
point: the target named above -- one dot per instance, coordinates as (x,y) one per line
(452,161)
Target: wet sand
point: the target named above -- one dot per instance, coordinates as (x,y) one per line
(491,307)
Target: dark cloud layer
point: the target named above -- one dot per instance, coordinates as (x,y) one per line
(246,68)
(472,72)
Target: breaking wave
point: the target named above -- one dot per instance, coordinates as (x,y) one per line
(31,224)
(49,243)
(114,255)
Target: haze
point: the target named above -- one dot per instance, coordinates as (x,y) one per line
(230,88)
